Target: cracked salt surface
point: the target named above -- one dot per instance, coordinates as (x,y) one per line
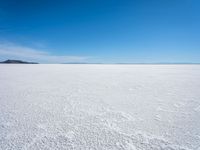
(108,107)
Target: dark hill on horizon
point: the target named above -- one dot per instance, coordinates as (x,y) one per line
(11,61)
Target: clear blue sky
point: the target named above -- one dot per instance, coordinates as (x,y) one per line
(108,31)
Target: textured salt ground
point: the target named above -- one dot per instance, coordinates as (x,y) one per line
(100,107)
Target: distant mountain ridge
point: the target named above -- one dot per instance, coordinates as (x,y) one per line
(11,61)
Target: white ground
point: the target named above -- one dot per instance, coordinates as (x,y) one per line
(131,107)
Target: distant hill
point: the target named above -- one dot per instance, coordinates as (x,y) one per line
(10,61)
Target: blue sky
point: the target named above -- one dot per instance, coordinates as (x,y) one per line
(106,31)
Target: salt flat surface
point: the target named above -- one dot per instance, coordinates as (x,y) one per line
(100,107)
